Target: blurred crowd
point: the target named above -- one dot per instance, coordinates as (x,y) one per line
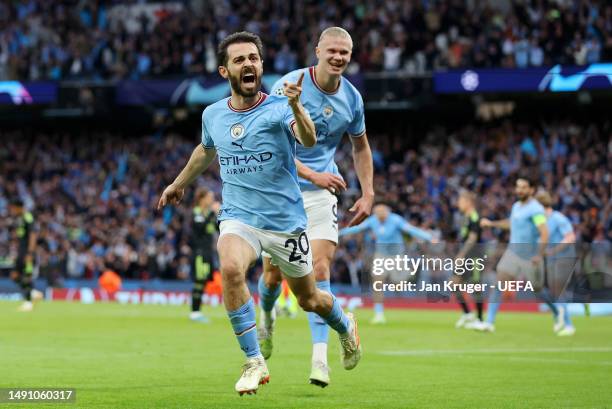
(114,39)
(571,161)
(94,194)
(94,198)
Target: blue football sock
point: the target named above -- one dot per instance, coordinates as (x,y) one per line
(494,304)
(318,327)
(337,319)
(566,316)
(243,322)
(545,296)
(267,296)
(379,308)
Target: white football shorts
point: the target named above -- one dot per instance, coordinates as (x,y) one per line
(290,252)
(322,213)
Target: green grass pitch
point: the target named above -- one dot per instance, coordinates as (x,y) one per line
(128,356)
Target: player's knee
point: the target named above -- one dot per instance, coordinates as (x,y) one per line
(321,270)
(308,303)
(231,271)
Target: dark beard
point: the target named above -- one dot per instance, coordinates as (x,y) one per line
(235,84)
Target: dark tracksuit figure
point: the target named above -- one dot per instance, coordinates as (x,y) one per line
(26,232)
(203,230)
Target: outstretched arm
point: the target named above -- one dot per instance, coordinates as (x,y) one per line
(501,224)
(415,231)
(198,162)
(355,229)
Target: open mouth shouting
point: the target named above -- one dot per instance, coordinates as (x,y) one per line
(248,83)
(248,79)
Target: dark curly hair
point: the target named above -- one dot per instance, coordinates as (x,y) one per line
(239,37)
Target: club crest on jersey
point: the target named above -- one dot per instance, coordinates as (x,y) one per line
(237,131)
(328,111)
(280,92)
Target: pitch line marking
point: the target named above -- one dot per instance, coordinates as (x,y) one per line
(423,352)
(558,361)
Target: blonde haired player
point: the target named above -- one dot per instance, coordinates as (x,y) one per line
(336,108)
(560,261)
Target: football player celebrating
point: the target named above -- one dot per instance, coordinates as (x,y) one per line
(336,108)
(254,136)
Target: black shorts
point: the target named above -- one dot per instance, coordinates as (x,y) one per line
(201,267)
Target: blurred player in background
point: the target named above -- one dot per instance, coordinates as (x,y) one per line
(560,260)
(255,136)
(27,233)
(286,303)
(336,107)
(524,256)
(203,229)
(470,235)
(388,229)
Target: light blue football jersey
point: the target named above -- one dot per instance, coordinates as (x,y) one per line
(256,153)
(333,114)
(558,227)
(524,221)
(389,234)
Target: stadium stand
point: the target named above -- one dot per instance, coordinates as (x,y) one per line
(116,40)
(94,193)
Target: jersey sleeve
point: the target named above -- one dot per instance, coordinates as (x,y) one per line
(357,126)
(207,141)
(538,216)
(289,121)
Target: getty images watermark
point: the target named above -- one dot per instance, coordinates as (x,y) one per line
(570,273)
(461,267)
